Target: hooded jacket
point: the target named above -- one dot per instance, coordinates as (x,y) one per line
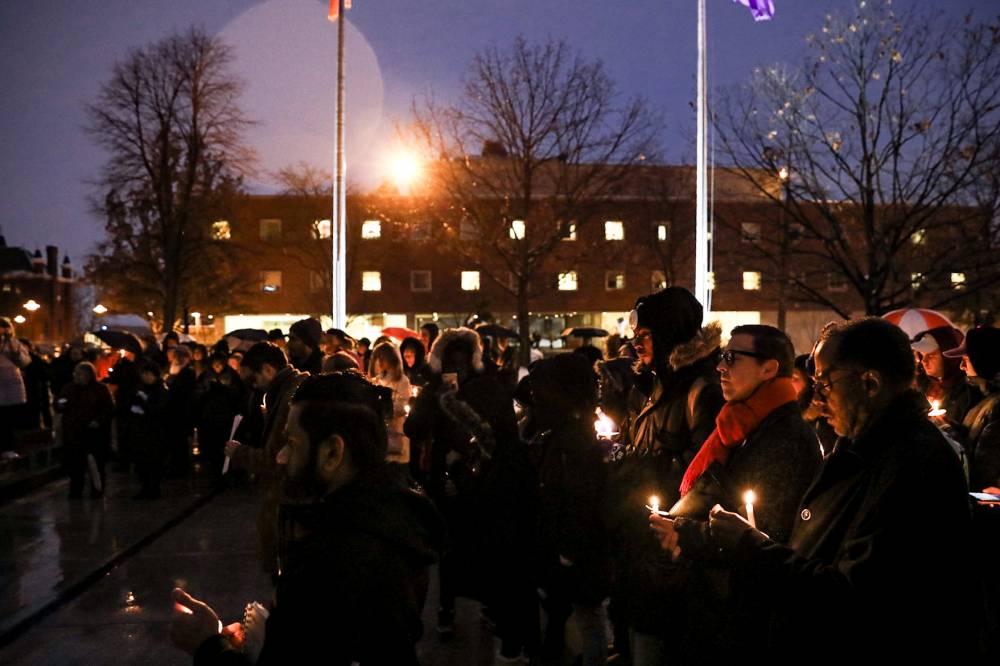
(352,590)
(667,424)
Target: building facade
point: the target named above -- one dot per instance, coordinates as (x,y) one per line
(37,293)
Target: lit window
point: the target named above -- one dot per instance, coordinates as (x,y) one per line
(658,281)
(517,230)
(220,230)
(916,280)
(567,281)
(614,280)
(270,281)
(918,237)
(371,229)
(958,280)
(470,280)
(662,231)
(420,280)
(614,230)
(316,282)
(322,229)
(371,281)
(751,280)
(836,282)
(270,230)
(567,231)
(750,232)
(711,280)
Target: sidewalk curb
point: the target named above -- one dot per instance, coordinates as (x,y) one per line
(76,589)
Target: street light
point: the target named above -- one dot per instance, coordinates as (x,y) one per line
(99,309)
(31,305)
(404,170)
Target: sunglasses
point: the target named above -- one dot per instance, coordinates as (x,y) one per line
(729,356)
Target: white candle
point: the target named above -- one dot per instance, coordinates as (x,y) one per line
(936,409)
(749,498)
(654,504)
(604,426)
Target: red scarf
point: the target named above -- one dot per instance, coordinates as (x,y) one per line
(735,421)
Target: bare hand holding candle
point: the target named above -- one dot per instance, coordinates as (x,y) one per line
(236,424)
(936,410)
(654,506)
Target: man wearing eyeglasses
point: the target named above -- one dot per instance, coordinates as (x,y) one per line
(761,444)
(878,559)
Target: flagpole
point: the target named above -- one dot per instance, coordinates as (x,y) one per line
(338,309)
(701,175)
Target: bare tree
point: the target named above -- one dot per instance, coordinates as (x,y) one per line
(537,140)
(171,124)
(884,134)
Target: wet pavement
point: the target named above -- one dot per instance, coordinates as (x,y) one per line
(51,548)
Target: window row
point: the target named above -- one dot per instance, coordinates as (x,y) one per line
(614,280)
(270,230)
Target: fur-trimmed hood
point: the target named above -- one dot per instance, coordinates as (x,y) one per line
(465,336)
(706,341)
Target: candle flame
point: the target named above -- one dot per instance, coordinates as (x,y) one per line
(749,497)
(654,502)
(603,425)
(935,404)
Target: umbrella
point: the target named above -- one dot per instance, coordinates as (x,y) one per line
(917,320)
(120,340)
(495,331)
(400,332)
(584,332)
(248,334)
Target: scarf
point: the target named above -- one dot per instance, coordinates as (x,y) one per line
(735,421)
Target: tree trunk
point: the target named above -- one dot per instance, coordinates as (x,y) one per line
(523,321)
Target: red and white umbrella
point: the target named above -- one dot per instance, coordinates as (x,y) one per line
(400,333)
(917,320)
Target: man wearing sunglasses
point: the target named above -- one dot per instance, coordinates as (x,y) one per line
(762,444)
(878,562)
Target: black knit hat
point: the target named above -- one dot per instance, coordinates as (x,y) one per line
(982,346)
(673,315)
(308,331)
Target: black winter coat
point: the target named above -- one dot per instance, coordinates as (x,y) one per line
(353,590)
(877,561)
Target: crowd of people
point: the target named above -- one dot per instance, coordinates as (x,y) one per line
(744,501)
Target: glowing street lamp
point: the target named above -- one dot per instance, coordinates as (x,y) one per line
(404,170)
(31,305)
(99,309)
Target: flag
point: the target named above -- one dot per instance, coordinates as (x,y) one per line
(762,10)
(335,8)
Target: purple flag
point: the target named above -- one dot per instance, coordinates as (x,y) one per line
(762,10)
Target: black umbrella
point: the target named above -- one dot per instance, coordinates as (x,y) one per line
(584,332)
(248,334)
(120,340)
(495,331)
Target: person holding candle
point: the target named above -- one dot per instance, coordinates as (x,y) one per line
(877,559)
(759,460)
(386,369)
(945,381)
(670,411)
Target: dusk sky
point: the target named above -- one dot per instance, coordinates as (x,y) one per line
(56,53)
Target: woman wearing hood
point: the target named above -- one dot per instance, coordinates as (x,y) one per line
(480,478)
(670,413)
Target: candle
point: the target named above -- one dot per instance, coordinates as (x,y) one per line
(406,409)
(414,391)
(604,426)
(936,409)
(654,504)
(749,498)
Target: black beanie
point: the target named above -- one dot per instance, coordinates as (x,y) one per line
(673,315)
(308,331)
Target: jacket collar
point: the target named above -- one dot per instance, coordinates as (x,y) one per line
(907,409)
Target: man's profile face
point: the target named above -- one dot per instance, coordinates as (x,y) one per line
(300,481)
(742,378)
(838,392)
(425,338)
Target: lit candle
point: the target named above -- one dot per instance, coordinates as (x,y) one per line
(654,504)
(414,391)
(129,599)
(603,425)
(407,409)
(936,409)
(749,498)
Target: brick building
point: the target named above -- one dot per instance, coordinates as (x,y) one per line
(37,292)
(412,259)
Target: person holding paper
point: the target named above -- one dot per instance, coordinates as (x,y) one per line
(271,373)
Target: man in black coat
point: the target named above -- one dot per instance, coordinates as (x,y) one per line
(356,548)
(876,565)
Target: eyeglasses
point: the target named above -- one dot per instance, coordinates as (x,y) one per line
(825,384)
(640,338)
(729,356)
